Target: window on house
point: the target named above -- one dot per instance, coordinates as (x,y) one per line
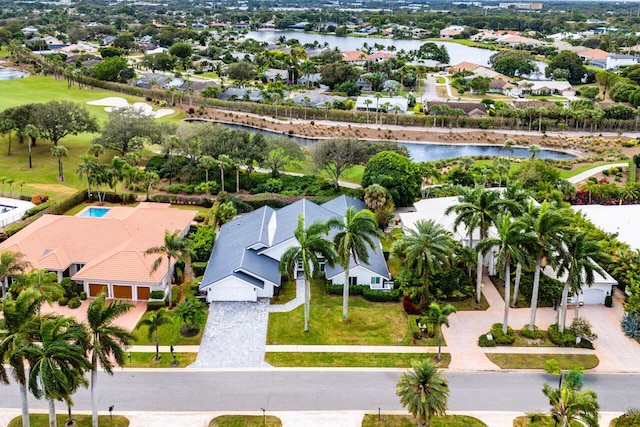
(375,280)
(353,281)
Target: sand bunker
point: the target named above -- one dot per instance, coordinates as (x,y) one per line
(113,102)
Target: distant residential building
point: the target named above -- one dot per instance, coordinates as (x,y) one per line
(471,109)
(241,94)
(389,105)
(451,31)
(356,57)
(316,100)
(547,87)
(617,61)
(463,66)
(275,75)
(520,5)
(514,41)
(593,54)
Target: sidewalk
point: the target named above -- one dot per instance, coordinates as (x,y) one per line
(288,418)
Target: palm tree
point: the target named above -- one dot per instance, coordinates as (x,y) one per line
(512,239)
(44,283)
(106,342)
(425,250)
(580,263)
(423,391)
(7,126)
(57,361)
(533,149)
(207,163)
(20,330)
(224,162)
(153,322)
(174,247)
(312,247)
(368,102)
(438,316)
(59,151)
(477,209)
(508,145)
(192,313)
(356,233)
(88,166)
(569,405)
(547,223)
(96,150)
(11,263)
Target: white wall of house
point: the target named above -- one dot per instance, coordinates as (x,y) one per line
(364,277)
(232,289)
(592,295)
(276,251)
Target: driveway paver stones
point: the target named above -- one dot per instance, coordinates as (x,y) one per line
(235,335)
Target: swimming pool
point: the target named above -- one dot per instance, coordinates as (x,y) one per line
(95,212)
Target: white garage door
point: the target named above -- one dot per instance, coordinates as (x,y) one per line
(593,296)
(244,293)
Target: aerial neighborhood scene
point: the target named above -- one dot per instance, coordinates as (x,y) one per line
(302,213)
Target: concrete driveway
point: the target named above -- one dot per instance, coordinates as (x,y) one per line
(127,321)
(616,352)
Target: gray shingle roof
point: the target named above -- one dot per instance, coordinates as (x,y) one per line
(340,204)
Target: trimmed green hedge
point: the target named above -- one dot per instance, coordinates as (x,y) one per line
(338,289)
(156,305)
(366,292)
(632,172)
(199,268)
(536,334)
(158,294)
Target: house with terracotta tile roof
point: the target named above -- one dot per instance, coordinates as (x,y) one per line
(591,54)
(104,248)
(356,57)
(463,66)
(380,56)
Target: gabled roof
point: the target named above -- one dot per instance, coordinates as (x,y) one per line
(340,204)
(594,54)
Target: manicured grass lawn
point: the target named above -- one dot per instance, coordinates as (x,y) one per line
(169,334)
(536,361)
(351,360)
(545,421)
(371,420)
(370,323)
(145,360)
(469,304)
(287,293)
(42,420)
(245,421)
(579,169)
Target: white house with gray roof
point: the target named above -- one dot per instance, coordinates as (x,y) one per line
(244,263)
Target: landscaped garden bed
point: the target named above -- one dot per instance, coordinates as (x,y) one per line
(42,420)
(631,418)
(351,360)
(147,360)
(539,420)
(537,361)
(374,420)
(245,421)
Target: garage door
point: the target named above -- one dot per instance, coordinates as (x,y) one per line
(593,296)
(96,289)
(122,292)
(233,294)
(144,293)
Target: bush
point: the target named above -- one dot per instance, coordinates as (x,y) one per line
(630,418)
(83,295)
(381,296)
(74,302)
(38,208)
(63,301)
(483,341)
(337,289)
(180,189)
(199,268)
(608,301)
(536,334)
(416,332)
(566,339)
(175,295)
(501,338)
(409,307)
(39,198)
(155,305)
(158,294)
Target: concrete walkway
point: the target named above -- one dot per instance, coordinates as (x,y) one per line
(594,171)
(294,303)
(289,418)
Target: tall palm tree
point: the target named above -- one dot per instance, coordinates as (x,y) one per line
(59,151)
(106,342)
(44,283)
(153,323)
(224,162)
(547,223)
(11,263)
(423,391)
(438,316)
(312,247)
(569,405)
(477,209)
(580,263)
(425,250)
(174,247)
(207,163)
(20,331)
(356,234)
(512,239)
(57,361)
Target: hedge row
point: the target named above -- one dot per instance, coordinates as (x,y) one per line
(198,268)
(366,292)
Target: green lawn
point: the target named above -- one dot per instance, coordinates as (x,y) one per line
(287,293)
(169,334)
(245,421)
(371,420)
(145,360)
(579,169)
(42,178)
(370,323)
(350,360)
(537,361)
(545,421)
(42,420)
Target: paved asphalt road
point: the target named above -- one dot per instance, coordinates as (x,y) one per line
(308,390)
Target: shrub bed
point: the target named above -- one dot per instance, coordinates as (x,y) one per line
(366,292)
(567,338)
(499,337)
(536,334)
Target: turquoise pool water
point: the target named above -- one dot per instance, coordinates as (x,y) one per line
(95,212)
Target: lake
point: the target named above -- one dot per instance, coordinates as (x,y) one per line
(11,74)
(457,52)
(427,151)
